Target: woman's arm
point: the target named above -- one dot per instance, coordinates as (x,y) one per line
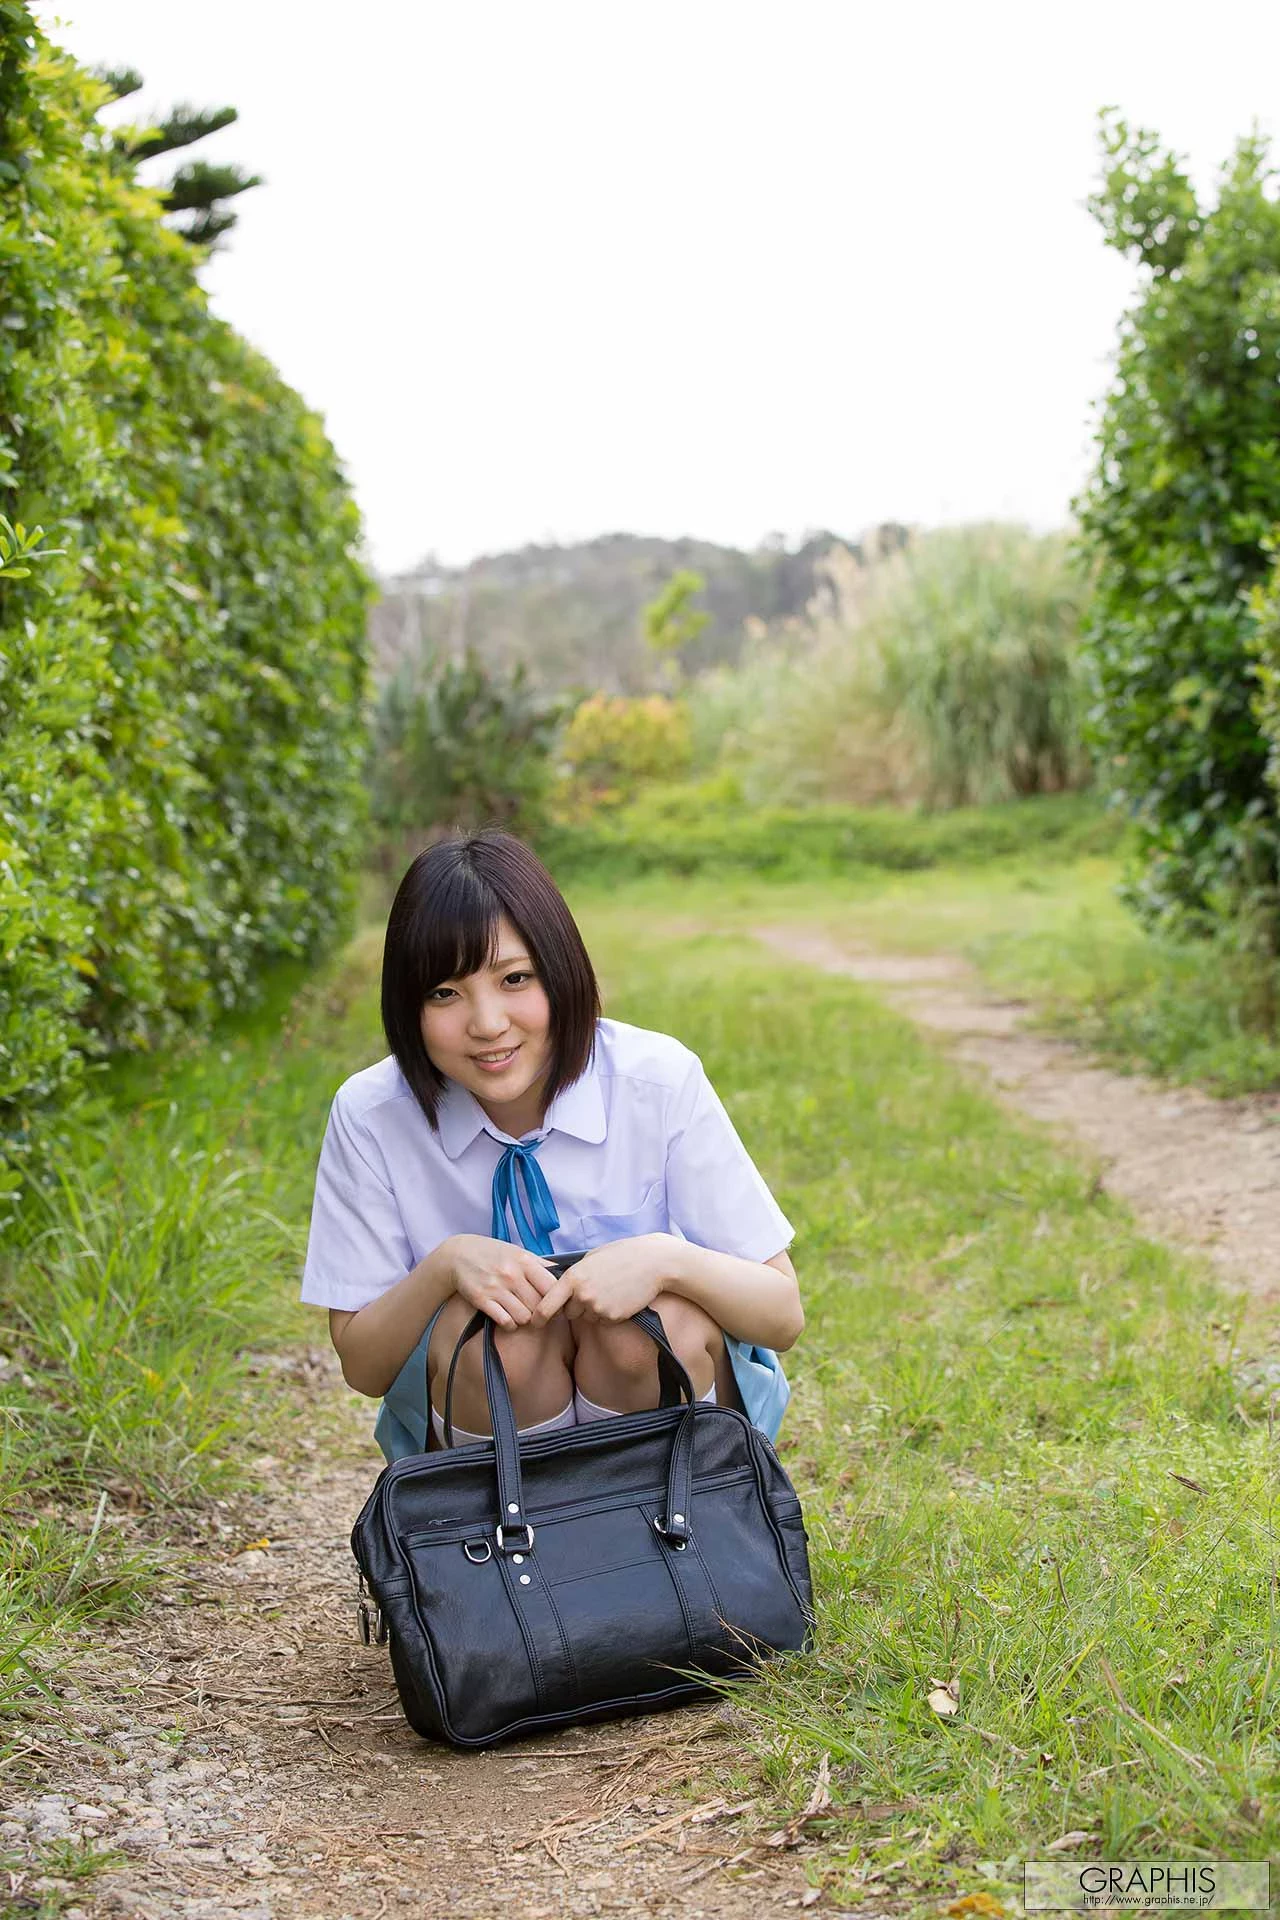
(757,1300)
(504,1281)
(374,1342)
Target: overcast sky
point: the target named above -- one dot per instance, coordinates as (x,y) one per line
(552,268)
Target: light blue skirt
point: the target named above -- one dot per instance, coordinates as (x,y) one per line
(401,1426)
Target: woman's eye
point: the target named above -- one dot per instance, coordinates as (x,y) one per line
(435,990)
(519,976)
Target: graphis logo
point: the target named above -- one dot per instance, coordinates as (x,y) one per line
(1196,1886)
(1082,1885)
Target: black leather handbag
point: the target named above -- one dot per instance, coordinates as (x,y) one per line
(583,1573)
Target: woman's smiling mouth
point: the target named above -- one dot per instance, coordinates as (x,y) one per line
(493,1063)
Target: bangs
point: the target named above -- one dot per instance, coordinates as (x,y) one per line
(453,929)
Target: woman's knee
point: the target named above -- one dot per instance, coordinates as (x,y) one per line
(528,1353)
(617,1356)
(695,1337)
(535,1360)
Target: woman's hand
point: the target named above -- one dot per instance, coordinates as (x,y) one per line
(503,1280)
(612,1282)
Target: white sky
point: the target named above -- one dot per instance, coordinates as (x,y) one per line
(552,268)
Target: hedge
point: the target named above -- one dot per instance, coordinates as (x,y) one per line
(679,832)
(182,689)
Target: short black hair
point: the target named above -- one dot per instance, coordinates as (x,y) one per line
(443,925)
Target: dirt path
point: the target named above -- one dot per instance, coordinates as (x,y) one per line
(248,1757)
(1202,1172)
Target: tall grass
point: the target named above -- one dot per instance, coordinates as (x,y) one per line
(944,673)
(156,1252)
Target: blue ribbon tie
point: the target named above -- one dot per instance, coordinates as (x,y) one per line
(531,1232)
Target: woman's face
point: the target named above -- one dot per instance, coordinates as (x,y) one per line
(501,1011)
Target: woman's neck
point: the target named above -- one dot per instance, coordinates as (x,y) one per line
(516,1117)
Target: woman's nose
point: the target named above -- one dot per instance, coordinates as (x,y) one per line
(488,1017)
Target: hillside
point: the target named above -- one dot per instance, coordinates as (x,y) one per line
(572,613)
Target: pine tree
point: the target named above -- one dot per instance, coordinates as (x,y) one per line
(197,190)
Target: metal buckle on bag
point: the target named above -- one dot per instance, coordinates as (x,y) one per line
(373,1626)
(523,1546)
(477,1551)
(676,1537)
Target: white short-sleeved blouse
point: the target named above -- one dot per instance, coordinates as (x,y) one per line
(640,1144)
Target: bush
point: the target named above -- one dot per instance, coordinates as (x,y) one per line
(1177,517)
(459,744)
(977,640)
(181,690)
(613,745)
(944,673)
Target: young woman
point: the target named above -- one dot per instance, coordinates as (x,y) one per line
(511,1122)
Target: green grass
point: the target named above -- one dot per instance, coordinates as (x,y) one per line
(705,829)
(44,1886)
(999,1382)
(1052,932)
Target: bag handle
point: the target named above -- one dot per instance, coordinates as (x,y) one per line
(673,1382)
(513,1533)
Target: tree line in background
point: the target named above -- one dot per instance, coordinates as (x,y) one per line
(574,615)
(183,656)
(942,671)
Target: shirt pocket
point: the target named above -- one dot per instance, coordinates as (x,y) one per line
(598,1229)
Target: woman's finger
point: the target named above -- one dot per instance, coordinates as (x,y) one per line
(538,1273)
(556,1296)
(522,1290)
(520,1312)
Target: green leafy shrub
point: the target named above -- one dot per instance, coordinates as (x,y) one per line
(460,744)
(670,623)
(614,744)
(181,687)
(1177,517)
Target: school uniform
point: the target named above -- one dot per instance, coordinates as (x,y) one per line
(641,1143)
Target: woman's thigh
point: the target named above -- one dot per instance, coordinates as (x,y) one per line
(536,1360)
(616,1363)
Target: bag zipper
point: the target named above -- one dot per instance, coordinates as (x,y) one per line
(620,1426)
(449,1531)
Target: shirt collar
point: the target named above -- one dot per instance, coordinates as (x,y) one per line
(577,1109)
